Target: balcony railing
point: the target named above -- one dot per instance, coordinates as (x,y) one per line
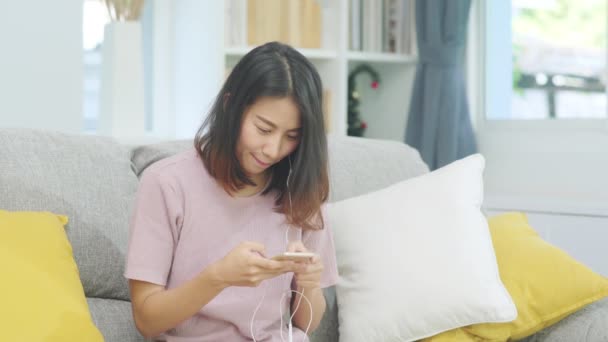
(554,83)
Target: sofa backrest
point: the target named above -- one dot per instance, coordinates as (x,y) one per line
(87,178)
(356,165)
(93,180)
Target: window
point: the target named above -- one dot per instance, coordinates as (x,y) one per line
(95,17)
(535,162)
(556,50)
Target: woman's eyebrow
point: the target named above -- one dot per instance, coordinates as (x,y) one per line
(271,124)
(266,121)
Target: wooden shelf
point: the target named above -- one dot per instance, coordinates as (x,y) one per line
(379,57)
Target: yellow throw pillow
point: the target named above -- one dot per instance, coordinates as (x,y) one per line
(545,283)
(41,296)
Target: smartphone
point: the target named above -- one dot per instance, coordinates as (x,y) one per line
(294,256)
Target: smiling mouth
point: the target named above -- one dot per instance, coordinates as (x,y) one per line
(260,162)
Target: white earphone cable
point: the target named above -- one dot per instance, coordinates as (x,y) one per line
(254,312)
(294,311)
(286,291)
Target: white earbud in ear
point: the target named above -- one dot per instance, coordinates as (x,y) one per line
(289,174)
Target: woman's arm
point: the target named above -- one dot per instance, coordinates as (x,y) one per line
(302,316)
(157,310)
(307,279)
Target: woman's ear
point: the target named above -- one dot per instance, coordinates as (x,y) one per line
(226,96)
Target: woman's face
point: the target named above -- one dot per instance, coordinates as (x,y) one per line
(270,130)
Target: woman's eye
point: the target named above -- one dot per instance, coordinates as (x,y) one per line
(293,137)
(263,131)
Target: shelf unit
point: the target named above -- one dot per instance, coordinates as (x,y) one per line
(378,57)
(385,109)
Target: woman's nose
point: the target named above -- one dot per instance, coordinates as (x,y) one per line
(272,148)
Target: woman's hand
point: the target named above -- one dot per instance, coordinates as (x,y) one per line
(307,275)
(247,265)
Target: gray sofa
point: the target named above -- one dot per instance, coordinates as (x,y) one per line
(93,180)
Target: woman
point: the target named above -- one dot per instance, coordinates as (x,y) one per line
(208,221)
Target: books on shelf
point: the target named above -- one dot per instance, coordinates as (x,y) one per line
(254,22)
(235,25)
(354,22)
(382,26)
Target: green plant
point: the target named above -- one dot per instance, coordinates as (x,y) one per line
(356,126)
(517,74)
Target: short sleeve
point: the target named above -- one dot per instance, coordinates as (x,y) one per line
(154,230)
(322,243)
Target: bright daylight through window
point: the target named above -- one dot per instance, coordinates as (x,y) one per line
(95,16)
(559,59)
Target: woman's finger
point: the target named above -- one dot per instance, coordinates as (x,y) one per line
(309,268)
(255,247)
(271,265)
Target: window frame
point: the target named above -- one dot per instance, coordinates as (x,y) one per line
(477,80)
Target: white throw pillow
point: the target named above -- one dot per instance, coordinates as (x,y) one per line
(416,259)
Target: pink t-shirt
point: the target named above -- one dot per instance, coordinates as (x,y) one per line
(183,220)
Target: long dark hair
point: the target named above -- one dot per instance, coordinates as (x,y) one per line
(274,70)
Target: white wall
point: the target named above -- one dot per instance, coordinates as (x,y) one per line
(188,65)
(566,171)
(41,80)
(198,63)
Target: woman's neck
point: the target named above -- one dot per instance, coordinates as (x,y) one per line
(261,180)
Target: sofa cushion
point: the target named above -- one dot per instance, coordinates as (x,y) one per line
(41,288)
(114,319)
(145,155)
(545,282)
(586,325)
(428,229)
(358,165)
(87,178)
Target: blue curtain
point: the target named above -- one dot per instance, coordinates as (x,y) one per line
(439,125)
